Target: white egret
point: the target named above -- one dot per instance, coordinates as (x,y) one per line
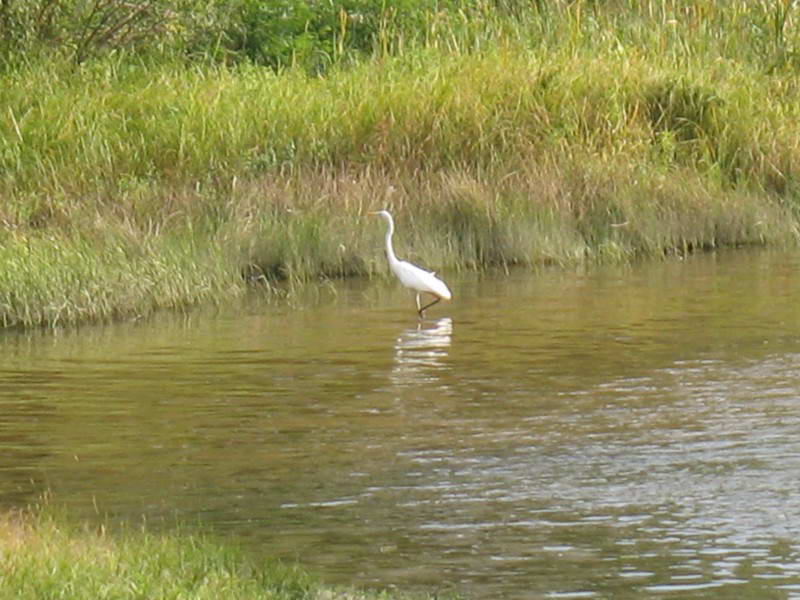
(411,276)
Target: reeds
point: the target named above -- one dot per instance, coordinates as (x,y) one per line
(570,133)
(54,279)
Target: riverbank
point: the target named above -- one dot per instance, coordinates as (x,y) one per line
(131,184)
(42,556)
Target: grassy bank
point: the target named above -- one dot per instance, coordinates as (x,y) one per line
(563,136)
(43,557)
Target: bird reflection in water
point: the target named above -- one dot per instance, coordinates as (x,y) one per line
(420,351)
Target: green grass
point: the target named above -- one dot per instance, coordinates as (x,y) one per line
(58,279)
(584,132)
(43,556)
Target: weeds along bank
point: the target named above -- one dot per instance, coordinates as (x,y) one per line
(131,182)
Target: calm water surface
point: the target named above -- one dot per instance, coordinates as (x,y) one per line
(622,432)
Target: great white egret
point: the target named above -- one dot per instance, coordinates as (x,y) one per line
(411,276)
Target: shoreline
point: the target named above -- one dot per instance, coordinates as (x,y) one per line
(133,183)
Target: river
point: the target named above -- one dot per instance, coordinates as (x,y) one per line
(626,432)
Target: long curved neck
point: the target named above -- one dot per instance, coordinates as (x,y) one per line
(390,255)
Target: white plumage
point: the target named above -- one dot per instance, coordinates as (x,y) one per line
(412,276)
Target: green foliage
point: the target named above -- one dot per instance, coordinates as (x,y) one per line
(316,35)
(299,246)
(82,29)
(313,35)
(680,109)
(278,33)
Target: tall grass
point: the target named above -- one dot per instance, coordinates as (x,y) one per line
(59,279)
(566,133)
(44,556)
(111,125)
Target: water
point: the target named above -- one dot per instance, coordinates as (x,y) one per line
(619,432)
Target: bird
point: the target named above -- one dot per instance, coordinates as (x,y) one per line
(412,276)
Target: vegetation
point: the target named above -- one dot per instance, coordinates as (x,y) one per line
(244,147)
(42,557)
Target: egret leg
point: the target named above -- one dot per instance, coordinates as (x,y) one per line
(422,310)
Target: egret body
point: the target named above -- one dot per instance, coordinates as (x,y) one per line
(412,276)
